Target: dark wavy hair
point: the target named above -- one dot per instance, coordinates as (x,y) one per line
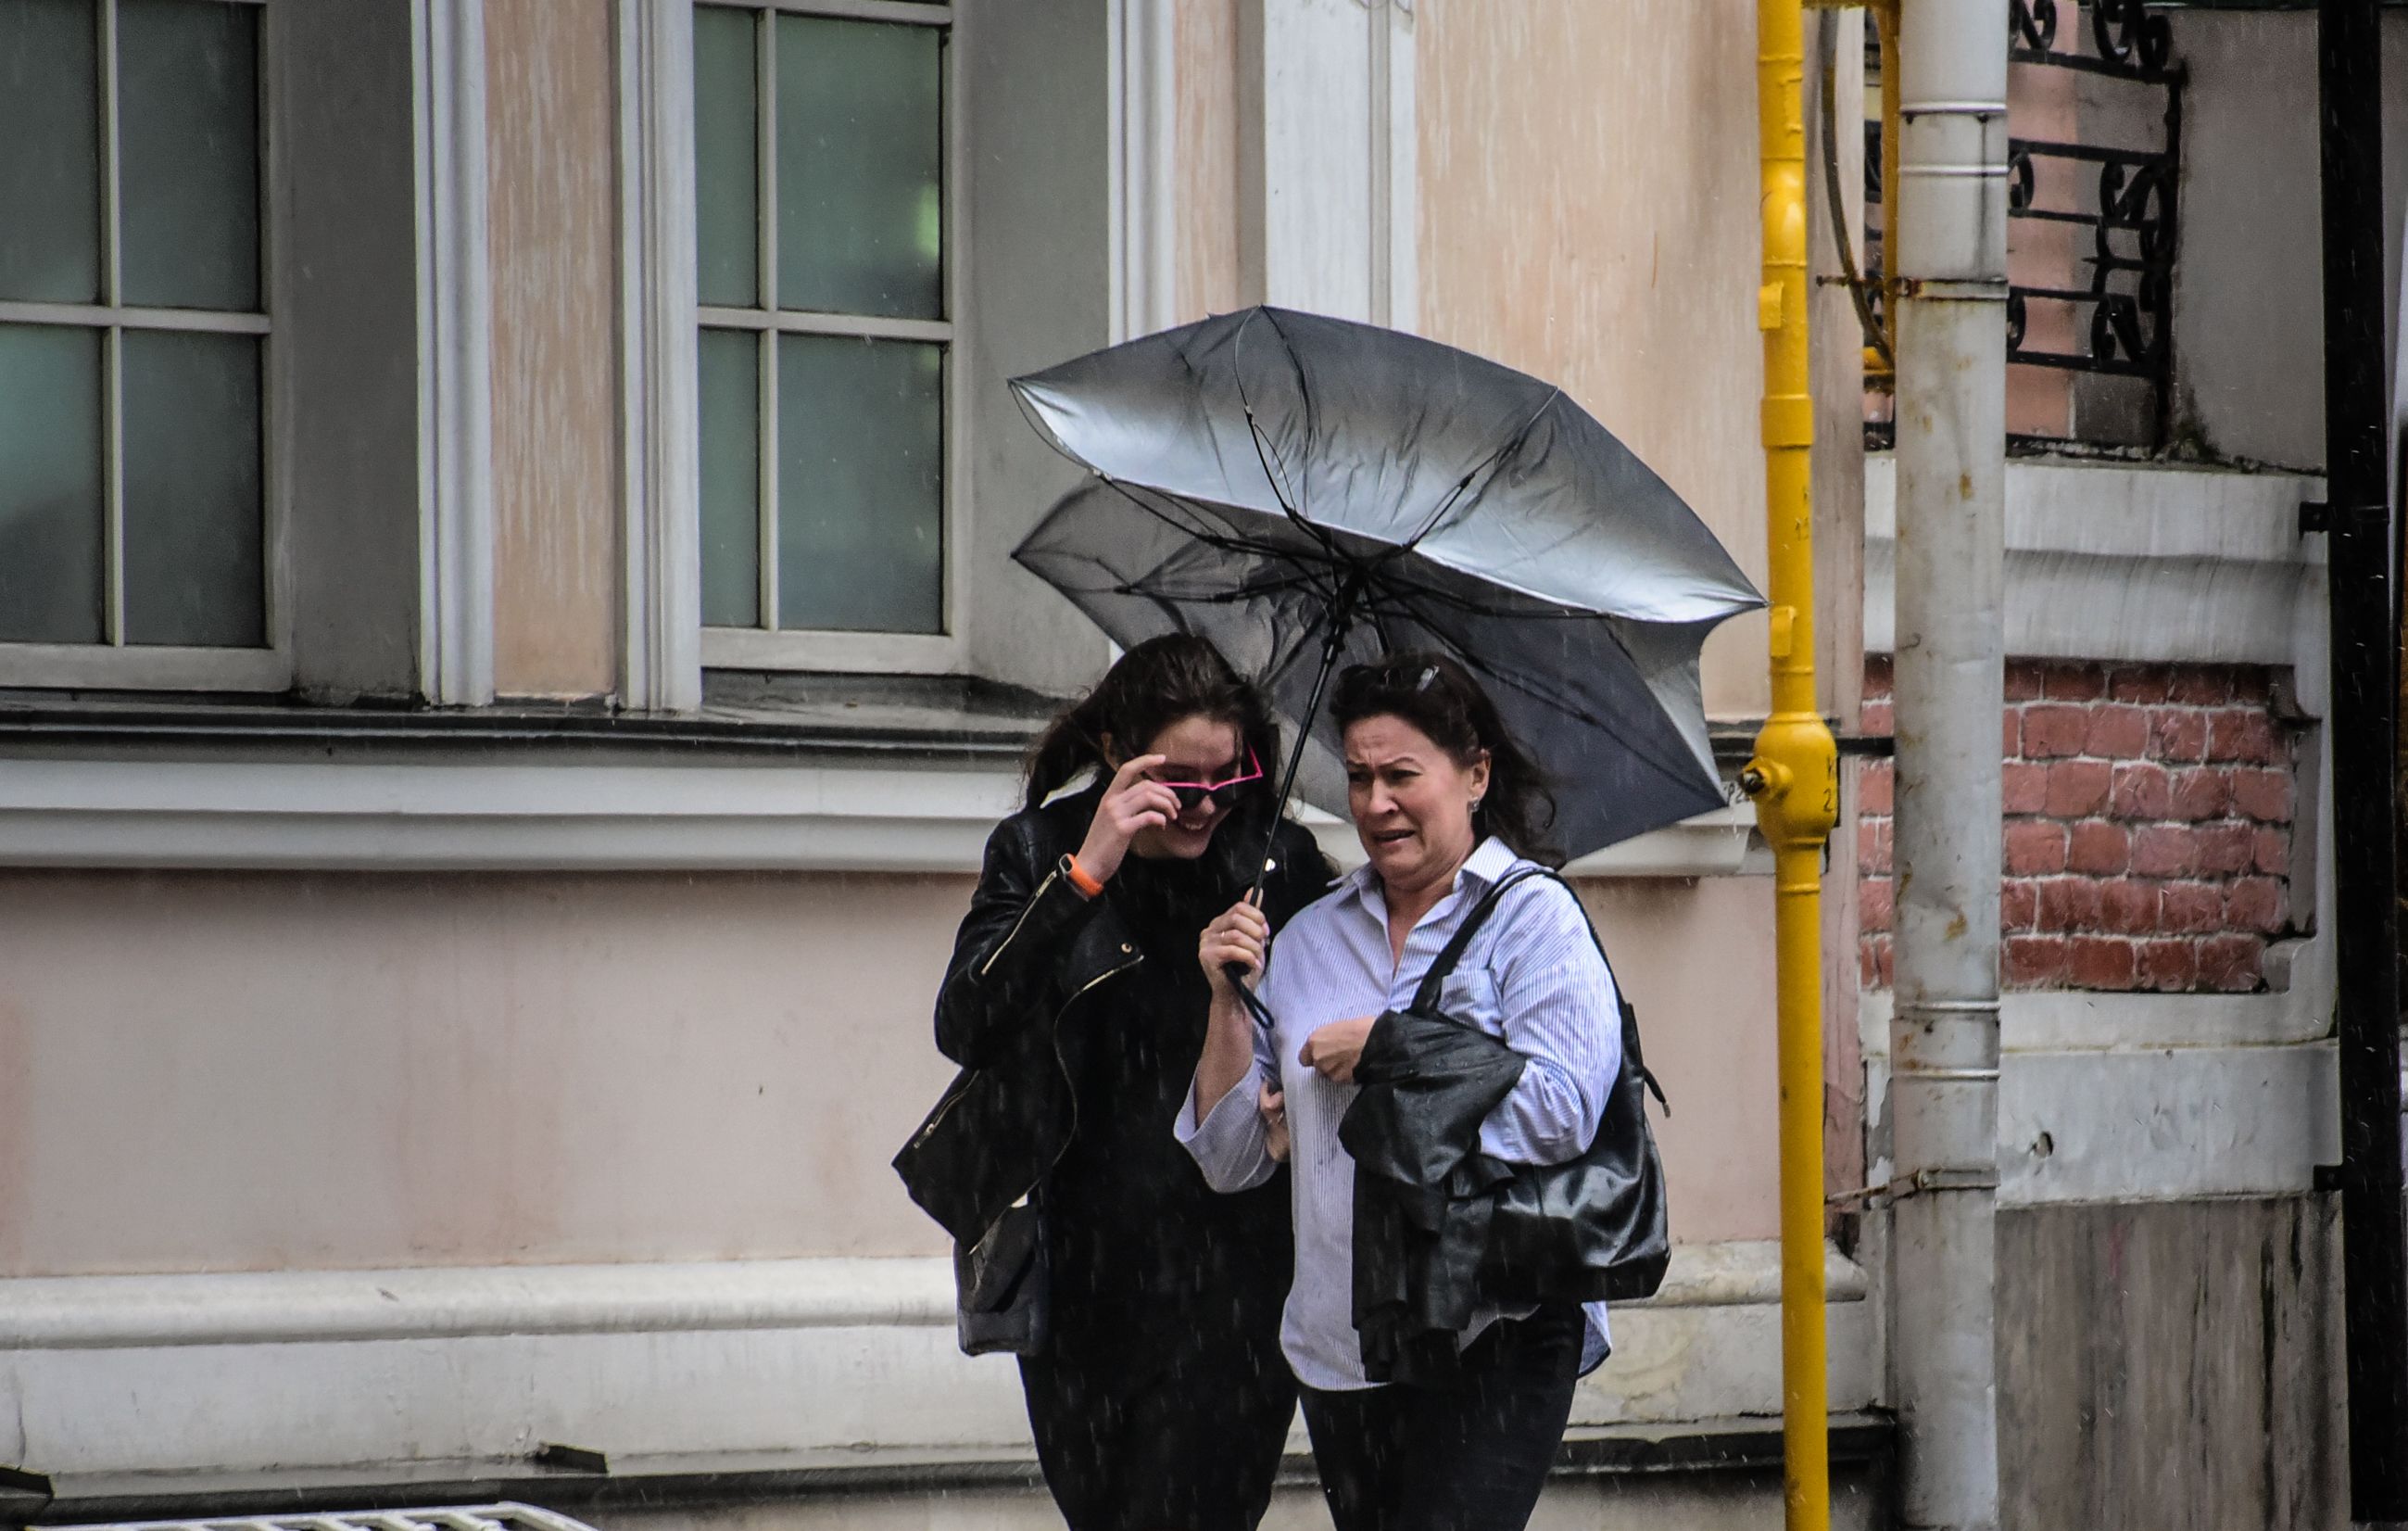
(1148,689)
(1438,696)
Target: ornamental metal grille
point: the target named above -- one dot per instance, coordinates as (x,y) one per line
(496,1517)
(2129,214)
(2097,303)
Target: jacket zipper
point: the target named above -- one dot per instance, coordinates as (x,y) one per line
(1061,1066)
(1035,899)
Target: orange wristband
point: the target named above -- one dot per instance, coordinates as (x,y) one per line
(1080,878)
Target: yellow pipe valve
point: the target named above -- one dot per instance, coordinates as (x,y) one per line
(1794,780)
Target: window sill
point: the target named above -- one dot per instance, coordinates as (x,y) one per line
(144,668)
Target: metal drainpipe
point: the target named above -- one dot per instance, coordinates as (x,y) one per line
(1795,776)
(1951,265)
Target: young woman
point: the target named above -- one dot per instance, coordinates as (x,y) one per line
(1161,1402)
(1446,805)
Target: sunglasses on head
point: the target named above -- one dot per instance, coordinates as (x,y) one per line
(1190,794)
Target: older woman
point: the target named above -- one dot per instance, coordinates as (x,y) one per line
(1446,805)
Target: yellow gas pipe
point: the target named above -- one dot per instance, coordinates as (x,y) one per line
(1795,776)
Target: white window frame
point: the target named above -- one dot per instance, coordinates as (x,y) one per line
(113,663)
(764,647)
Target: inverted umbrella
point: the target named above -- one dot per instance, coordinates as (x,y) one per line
(1306,491)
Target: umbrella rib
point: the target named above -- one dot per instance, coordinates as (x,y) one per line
(1263,452)
(1192,525)
(1470,660)
(1304,392)
(1489,465)
(1303,571)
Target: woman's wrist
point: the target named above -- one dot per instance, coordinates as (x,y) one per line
(1079,876)
(1099,858)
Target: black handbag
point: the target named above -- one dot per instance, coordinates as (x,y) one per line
(1595,1227)
(1001,1281)
(1002,1286)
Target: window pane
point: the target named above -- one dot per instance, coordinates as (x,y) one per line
(194,566)
(50,507)
(731,479)
(860,194)
(188,146)
(50,151)
(726,169)
(860,484)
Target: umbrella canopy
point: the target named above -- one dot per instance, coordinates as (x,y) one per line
(1277,481)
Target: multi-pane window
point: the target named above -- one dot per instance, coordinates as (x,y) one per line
(820,139)
(132,325)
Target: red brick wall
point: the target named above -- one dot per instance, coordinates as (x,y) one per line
(2148,827)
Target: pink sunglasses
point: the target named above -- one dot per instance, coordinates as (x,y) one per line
(1192,793)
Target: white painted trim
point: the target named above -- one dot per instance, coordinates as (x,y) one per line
(119,1374)
(913,653)
(284,1308)
(455,347)
(2150,1097)
(145,667)
(101,316)
(1400,224)
(291,1307)
(2205,1121)
(1329,157)
(859,327)
(487,817)
(910,12)
(602,817)
(2071,1020)
(1141,74)
(661,493)
(2116,561)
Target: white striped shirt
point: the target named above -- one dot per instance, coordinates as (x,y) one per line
(1531,977)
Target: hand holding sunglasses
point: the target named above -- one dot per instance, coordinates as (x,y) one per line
(1134,802)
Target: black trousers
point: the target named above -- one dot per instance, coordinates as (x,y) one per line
(1161,1427)
(1470,1456)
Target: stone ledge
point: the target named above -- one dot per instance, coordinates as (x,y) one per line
(2151,563)
(464,815)
(299,1372)
(311,1308)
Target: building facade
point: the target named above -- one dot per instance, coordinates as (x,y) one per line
(509,653)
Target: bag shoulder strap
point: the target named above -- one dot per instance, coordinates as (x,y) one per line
(1425,997)
(1443,966)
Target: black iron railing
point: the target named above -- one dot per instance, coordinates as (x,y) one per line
(2124,196)
(2132,206)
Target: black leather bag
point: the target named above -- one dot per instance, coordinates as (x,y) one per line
(1001,1281)
(1002,1287)
(1595,1227)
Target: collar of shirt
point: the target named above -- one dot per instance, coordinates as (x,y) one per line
(1489,861)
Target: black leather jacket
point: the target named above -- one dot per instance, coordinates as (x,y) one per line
(1040,977)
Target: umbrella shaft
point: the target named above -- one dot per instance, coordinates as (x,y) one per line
(1339,619)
